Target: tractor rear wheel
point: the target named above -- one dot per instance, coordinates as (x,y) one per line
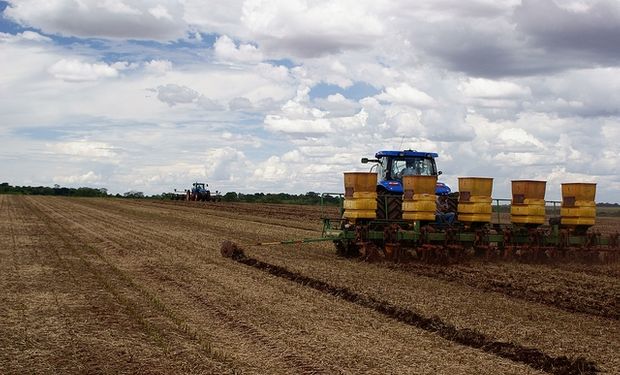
(389,206)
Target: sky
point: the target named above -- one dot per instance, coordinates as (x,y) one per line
(286,95)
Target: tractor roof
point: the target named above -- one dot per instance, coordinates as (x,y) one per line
(406,153)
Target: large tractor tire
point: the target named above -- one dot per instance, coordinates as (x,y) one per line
(453,202)
(389,206)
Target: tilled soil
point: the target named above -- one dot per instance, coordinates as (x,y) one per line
(468,337)
(118,286)
(573,286)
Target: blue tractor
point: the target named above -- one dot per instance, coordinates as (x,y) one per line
(391,166)
(198,192)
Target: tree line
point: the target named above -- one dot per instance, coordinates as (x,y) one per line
(307,198)
(5,188)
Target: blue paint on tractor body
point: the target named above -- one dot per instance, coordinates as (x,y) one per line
(391,165)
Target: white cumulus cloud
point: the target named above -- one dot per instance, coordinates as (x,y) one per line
(76,70)
(227,50)
(86,178)
(487,88)
(84,149)
(406,94)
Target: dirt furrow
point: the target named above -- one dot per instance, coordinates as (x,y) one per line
(291,361)
(530,356)
(144,311)
(599,296)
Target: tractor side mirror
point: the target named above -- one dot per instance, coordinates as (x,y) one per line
(364,160)
(438,173)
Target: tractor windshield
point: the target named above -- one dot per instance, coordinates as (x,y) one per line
(412,166)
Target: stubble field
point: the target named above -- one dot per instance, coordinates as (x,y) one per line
(127,287)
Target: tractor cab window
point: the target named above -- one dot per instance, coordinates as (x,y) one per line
(413,167)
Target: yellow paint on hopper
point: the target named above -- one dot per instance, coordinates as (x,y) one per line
(578,206)
(419,216)
(475,199)
(419,200)
(362,182)
(581,191)
(360,204)
(420,206)
(420,184)
(360,200)
(476,186)
(528,202)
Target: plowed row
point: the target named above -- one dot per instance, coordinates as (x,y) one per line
(116,286)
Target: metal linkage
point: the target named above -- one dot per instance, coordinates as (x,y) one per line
(368,250)
(428,249)
(455,249)
(482,244)
(400,241)
(392,247)
(508,246)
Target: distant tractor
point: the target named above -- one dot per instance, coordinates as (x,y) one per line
(198,192)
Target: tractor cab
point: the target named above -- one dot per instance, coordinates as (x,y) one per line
(199,186)
(391,166)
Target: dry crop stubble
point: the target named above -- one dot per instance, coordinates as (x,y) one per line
(295,216)
(554,331)
(300,258)
(301,318)
(174,255)
(107,328)
(531,324)
(250,289)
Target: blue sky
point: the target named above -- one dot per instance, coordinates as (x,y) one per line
(286,95)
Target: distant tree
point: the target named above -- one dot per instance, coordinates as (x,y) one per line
(134,194)
(5,188)
(231,196)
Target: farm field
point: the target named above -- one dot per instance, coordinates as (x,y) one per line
(124,286)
